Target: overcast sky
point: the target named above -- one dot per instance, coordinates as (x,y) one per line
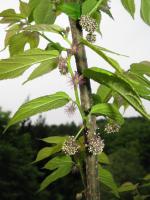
(124,35)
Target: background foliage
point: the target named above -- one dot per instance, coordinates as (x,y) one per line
(128,154)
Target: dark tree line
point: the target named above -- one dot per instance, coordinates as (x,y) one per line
(19,178)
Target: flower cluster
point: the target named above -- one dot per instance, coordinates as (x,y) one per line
(77,79)
(112,127)
(91,37)
(89,24)
(70,146)
(70,108)
(95,145)
(62,65)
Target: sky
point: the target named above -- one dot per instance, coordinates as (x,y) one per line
(123,35)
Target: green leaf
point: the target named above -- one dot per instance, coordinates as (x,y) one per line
(107,179)
(43,13)
(71,9)
(129,5)
(46,152)
(24,8)
(16,65)
(43,69)
(55,139)
(145,11)
(99,51)
(41,104)
(44,28)
(89,7)
(104,93)
(147,177)
(10,13)
(63,165)
(11,32)
(128,186)
(18,41)
(103,158)
(141,84)
(59,161)
(142,68)
(97,16)
(119,85)
(108,110)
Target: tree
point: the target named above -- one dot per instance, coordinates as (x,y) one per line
(125,87)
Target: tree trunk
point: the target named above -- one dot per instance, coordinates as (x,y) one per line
(92,182)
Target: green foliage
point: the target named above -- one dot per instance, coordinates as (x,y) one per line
(62,166)
(43,13)
(108,110)
(89,7)
(71,9)
(103,159)
(55,139)
(145,8)
(45,28)
(129,5)
(43,69)
(99,51)
(23,61)
(107,179)
(39,105)
(119,85)
(18,41)
(46,152)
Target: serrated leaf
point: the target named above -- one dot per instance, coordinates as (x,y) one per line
(128,186)
(18,64)
(73,10)
(129,5)
(46,152)
(145,11)
(108,110)
(118,85)
(44,28)
(54,139)
(18,41)
(43,69)
(41,104)
(63,165)
(107,179)
(99,51)
(103,158)
(89,7)
(43,13)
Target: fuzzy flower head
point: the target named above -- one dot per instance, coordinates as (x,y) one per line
(91,37)
(112,127)
(88,24)
(62,65)
(70,146)
(70,108)
(77,79)
(95,145)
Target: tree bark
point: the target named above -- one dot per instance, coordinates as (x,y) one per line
(92,182)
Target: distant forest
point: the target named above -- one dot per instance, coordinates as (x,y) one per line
(128,151)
